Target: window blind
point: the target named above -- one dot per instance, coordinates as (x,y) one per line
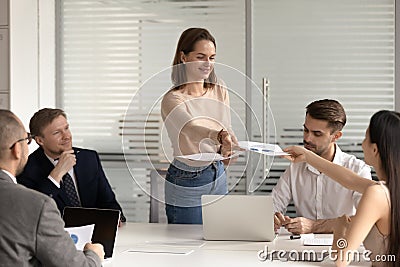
(310,50)
(109,51)
(113,60)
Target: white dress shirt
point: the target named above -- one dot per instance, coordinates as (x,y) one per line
(315,195)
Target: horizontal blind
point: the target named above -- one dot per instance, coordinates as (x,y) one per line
(114,58)
(310,50)
(108,49)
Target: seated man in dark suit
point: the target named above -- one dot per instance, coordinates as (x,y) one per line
(32,231)
(71,176)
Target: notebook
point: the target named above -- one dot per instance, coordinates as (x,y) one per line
(238,217)
(105,221)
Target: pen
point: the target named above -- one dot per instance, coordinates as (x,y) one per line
(292,237)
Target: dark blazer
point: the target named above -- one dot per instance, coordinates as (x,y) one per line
(32,231)
(93,187)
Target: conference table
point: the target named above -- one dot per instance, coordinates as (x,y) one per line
(152,244)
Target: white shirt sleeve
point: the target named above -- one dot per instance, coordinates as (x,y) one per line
(54,181)
(281,193)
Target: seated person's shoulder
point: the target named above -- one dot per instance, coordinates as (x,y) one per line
(376,193)
(28,195)
(357,165)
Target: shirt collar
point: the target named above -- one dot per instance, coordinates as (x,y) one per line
(337,159)
(54,161)
(11,176)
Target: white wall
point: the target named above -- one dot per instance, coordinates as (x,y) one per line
(32,56)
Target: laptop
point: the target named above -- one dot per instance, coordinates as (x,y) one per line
(105,221)
(238,217)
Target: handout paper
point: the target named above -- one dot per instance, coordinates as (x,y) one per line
(154,250)
(178,247)
(262,148)
(81,235)
(319,241)
(209,156)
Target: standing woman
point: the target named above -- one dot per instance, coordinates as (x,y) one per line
(377,221)
(196,114)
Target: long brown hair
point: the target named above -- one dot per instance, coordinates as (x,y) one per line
(384,129)
(186,44)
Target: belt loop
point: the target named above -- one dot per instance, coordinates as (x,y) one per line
(216,170)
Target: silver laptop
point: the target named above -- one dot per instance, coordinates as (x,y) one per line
(238,217)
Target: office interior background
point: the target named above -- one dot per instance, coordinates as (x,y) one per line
(106,63)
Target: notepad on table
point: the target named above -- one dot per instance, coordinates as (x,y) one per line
(318,241)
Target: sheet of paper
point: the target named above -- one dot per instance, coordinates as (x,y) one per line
(318,241)
(177,247)
(307,236)
(209,156)
(262,148)
(175,243)
(81,235)
(154,250)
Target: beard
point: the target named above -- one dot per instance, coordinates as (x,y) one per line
(312,147)
(319,150)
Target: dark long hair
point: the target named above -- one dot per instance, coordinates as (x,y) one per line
(384,131)
(186,44)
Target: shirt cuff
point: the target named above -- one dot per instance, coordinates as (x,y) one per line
(54,181)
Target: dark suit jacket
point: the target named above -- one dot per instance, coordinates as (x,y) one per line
(93,187)
(32,231)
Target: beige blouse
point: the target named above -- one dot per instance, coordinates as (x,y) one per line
(193,122)
(376,242)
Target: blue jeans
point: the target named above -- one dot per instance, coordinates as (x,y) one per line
(184,187)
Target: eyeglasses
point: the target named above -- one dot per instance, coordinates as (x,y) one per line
(28,138)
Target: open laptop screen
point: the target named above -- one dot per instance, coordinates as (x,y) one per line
(238,217)
(105,221)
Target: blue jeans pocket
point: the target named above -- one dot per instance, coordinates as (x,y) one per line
(175,173)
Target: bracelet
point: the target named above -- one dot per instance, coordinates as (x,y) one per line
(219,136)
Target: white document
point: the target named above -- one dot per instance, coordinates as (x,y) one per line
(172,247)
(306,236)
(81,235)
(262,148)
(171,251)
(209,156)
(318,241)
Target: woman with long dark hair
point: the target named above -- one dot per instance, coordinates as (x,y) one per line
(377,221)
(196,114)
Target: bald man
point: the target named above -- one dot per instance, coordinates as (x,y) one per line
(32,231)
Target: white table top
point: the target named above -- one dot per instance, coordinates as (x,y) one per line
(145,244)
